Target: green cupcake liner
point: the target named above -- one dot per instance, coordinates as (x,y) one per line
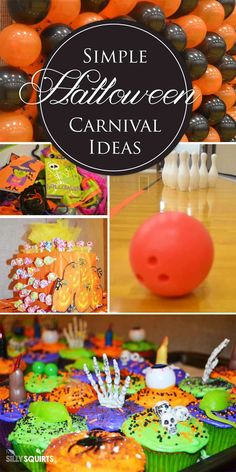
(168,462)
(26,451)
(219,439)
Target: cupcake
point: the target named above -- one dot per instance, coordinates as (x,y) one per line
(44,378)
(133,363)
(171,439)
(198,386)
(38,356)
(14,403)
(95,450)
(33,433)
(137,383)
(138,344)
(110,410)
(225,374)
(108,343)
(161,385)
(7,365)
(218,413)
(68,356)
(228,374)
(79,365)
(73,395)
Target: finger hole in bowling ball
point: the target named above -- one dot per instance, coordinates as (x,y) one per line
(152,261)
(163,277)
(140,278)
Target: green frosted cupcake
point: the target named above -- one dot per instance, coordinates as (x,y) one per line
(67,356)
(198,388)
(171,439)
(217,411)
(33,433)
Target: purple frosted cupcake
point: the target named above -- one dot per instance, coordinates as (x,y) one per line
(108,419)
(110,410)
(180,374)
(218,412)
(45,357)
(10,413)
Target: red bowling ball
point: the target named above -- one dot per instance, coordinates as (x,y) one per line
(171,254)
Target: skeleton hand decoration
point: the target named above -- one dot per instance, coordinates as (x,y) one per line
(213,360)
(109,395)
(75,335)
(170,417)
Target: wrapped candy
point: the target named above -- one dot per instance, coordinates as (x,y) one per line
(49,260)
(43,283)
(19,261)
(80,243)
(24,293)
(31,281)
(70,245)
(41,311)
(13,263)
(42,246)
(51,277)
(32,309)
(48,300)
(39,262)
(48,246)
(19,286)
(28,261)
(31,271)
(28,300)
(18,303)
(42,297)
(34,296)
(36,283)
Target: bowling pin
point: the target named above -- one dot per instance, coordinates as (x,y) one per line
(203,172)
(183,173)
(173,170)
(213,173)
(194,172)
(165,170)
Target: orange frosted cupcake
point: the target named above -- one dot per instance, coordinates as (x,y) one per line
(225,374)
(148,397)
(51,348)
(95,450)
(4,393)
(73,395)
(7,366)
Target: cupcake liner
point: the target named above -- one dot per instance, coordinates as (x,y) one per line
(6,427)
(28,451)
(168,462)
(220,439)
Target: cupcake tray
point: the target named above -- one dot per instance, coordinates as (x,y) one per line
(223,462)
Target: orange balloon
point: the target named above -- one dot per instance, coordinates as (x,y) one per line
(211,81)
(212,137)
(85,19)
(170,7)
(15,128)
(227,94)
(194,28)
(118,8)
(184,139)
(231,20)
(197,97)
(228,33)
(20,45)
(211,12)
(37,65)
(232,113)
(64,11)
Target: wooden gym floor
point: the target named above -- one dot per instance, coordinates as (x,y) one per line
(131,205)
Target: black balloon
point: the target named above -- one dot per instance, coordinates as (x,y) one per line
(176,35)
(198,128)
(11,81)
(196,63)
(228,6)
(185,7)
(149,15)
(214,47)
(227,67)
(93,5)
(28,12)
(226,128)
(213,108)
(127,18)
(52,36)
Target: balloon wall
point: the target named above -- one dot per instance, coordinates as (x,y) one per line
(202,31)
